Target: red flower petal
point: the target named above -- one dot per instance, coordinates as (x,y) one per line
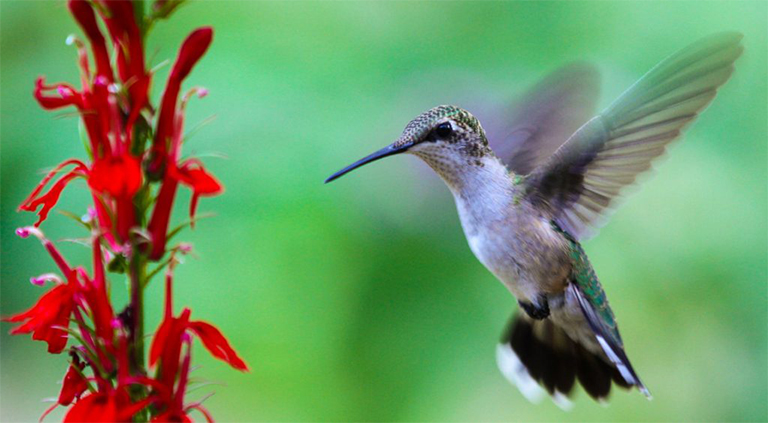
(192,174)
(118,176)
(121,23)
(101,311)
(167,347)
(49,199)
(193,48)
(161,215)
(105,221)
(98,407)
(159,341)
(67,95)
(172,416)
(43,320)
(111,406)
(214,341)
(73,385)
(126,410)
(203,411)
(83,13)
(49,176)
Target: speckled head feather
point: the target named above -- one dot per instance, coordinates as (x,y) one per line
(419,127)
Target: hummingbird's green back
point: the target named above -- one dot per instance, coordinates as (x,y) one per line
(583,275)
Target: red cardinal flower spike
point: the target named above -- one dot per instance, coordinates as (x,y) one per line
(132,169)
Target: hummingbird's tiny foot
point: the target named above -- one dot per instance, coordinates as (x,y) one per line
(537,312)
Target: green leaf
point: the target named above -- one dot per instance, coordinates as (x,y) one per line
(177,229)
(76,218)
(118,264)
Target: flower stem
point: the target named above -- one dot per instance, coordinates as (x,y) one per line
(137,271)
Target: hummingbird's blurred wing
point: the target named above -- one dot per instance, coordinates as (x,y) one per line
(584,176)
(545,116)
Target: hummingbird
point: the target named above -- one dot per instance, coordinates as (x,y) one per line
(525,222)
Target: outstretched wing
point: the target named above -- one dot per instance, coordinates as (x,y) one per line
(585,175)
(545,116)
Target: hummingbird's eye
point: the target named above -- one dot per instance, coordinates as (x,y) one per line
(444,130)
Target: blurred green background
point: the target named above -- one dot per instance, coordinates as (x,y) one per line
(360,300)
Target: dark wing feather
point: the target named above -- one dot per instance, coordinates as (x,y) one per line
(545,116)
(580,181)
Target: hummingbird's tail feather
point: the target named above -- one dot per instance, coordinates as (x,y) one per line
(537,352)
(609,344)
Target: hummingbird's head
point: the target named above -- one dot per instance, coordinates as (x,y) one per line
(448,138)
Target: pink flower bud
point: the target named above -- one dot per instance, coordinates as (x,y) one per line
(89,215)
(126,250)
(30,230)
(46,277)
(116,323)
(107,255)
(101,80)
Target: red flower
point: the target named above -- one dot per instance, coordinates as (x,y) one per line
(172,404)
(192,174)
(121,23)
(112,405)
(96,297)
(67,95)
(74,383)
(190,53)
(49,199)
(170,337)
(46,317)
(118,176)
(83,13)
(167,146)
(216,344)
(166,346)
(49,317)
(126,36)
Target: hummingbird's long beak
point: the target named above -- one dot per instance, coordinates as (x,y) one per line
(384,152)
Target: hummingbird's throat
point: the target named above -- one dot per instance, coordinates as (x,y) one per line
(466,175)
